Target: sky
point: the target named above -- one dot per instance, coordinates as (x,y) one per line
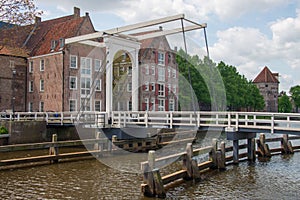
(248,34)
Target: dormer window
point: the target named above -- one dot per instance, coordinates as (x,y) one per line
(53,45)
(61,43)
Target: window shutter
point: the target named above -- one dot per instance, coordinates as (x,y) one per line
(156,57)
(167,91)
(166,74)
(156,73)
(166,105)
(167,59)
(156,89)
(156,104)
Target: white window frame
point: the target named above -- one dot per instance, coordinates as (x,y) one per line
(147,104)
(129,105)
(153,104)
(76,62)
(174,89)
(84,105)
(129,71)
(161,74)
(42,65)
(30,69)
(75,105)
(85,66)
(153,86)
(161,107)
(171,105)
(42,85)
(129,87)
(98,85)
(70,82)
(161,58)
(161,90)
(30,86)
(100,105)
(173,73)
(30,107)
(152,70)
(147,69)
(97,66)
(169,73)
(146,86)
(87,90)
(41,106)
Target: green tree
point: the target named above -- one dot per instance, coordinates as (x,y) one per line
(284,104)
(295,94)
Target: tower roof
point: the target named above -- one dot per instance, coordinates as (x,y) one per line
(266,76)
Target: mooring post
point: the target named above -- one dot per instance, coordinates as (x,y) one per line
(262,147)
(286,145)
(113,141)
(53,150)
(213,153)
(235,151)
(221,156)
(187,161)
(251,149)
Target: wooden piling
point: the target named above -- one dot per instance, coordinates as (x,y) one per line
(235,151)
(53,150)
(221,161)
(187,161)
(262,147)
(286,145)
(251,149)
(213,153)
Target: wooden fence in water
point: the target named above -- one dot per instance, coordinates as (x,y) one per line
(154,184)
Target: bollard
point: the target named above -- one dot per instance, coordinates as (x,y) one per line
(221,160)
(53,150)
(213,153)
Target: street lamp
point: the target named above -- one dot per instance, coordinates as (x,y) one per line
(14,71)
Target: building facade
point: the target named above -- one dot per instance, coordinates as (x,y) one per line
(59,76)
(268,83)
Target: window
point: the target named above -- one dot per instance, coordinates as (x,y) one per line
(171,105)
(41,107)
(72,105)
(173,73)
(73,82)
(161,58)
(85,86)
(129,87)
(42,65)
(98,105)
(146,104)
(153,86)
(146,86)
(85,66)
(61,43)
(42,85)
(73,62)
(98,84)
(153,70)
(153,104)
(174,88)
(129,106)
(147,69)
(161,74)
(30,107)
(161,105)
(161,90)
(30,87)
(30,66)
(129,72)
(169,73)
(85,104)
(97,65)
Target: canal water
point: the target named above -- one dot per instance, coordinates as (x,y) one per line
(278,178)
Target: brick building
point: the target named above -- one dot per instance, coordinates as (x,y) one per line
(267,83)
(72,76)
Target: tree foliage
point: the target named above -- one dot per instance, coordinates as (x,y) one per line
(216,87)
(18,12)
(284,104)
(295,94)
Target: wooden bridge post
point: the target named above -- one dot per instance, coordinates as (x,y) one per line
(286,145)
(262,147)
(251,149)
(153,185)
(213,153)
(53,150)
(221,161)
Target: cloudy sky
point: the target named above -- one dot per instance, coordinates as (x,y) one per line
(248,34)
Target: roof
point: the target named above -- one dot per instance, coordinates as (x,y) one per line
(36,38)
(266,76)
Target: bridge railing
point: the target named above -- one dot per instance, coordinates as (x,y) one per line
(255,120)
(89,117)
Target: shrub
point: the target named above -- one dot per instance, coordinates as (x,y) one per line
(3,130)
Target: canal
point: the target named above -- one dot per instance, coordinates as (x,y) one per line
(278,178)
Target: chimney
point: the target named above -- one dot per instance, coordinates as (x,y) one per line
(175,48)
(38,20)
(160,28)
(86,14)
(76,12)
